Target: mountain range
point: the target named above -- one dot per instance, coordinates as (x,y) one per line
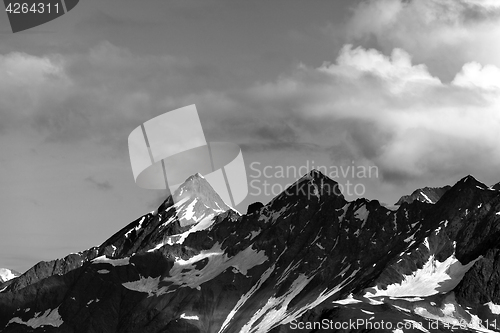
(308,261)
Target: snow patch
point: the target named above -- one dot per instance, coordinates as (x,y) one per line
(450,314)
(245,297)
(137,228)
(50,317)
(362,214)
(158,246)
(433,277)
(184,272)
(255,234)
(147,285)
(494,308)
(348,300)
(205,223)
(218,262)
(274,311)
(426,197)
(115,262)
(344,211)
(184,316)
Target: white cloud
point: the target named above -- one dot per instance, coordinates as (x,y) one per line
(489,4)
(474,75)
(444,34)
(396,71)
(394,113)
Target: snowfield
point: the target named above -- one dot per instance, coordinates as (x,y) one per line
(185,274)
(434,277)
(115,262)
(50,317)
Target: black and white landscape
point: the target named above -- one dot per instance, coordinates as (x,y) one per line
(308,256)
(355,124)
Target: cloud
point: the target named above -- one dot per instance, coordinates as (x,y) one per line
(387,111)
(473,75)
(444,34)
(100,185)
(98,96)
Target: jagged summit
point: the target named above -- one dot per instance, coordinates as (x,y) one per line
(313,185)
(196,199)
(433,194)
(192,207)
(425,194)
(196,187)
(315,173)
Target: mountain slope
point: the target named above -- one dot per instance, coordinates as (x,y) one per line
(195,202)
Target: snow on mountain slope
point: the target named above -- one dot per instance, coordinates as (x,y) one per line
(198,269)
(195,199)
(434,277)
(50,317)
(426,194)
(191,208)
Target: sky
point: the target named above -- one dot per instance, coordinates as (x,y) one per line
(385,95)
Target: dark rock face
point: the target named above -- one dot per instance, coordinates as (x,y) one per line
(254,207)
(195,265)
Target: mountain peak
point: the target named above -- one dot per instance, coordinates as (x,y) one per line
(314,174)
(195,185)
(199,198)
(469,180)
(313,184)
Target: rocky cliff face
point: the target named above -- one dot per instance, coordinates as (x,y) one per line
(303,262)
